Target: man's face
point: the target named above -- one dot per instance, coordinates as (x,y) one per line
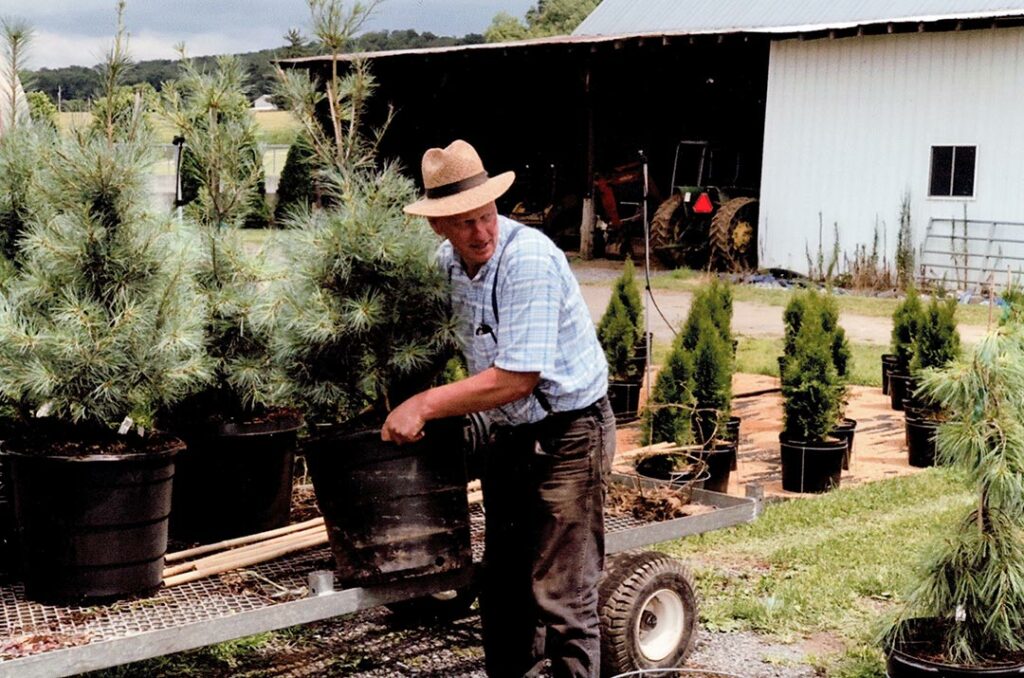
(473,234)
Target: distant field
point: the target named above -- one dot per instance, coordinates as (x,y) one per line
(276,127)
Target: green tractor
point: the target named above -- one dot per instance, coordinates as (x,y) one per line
(704,226)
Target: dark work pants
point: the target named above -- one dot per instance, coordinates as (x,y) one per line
(543,490)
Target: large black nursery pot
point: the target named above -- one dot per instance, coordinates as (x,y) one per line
(811,466)
(888,367)
(845,430)
(732,434)
(624,397)
(234,479)
(91,527)
(914,655)
(899,389)
(921,440)
(718,457)
(392,511)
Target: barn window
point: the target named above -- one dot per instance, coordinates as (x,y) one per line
(952,171)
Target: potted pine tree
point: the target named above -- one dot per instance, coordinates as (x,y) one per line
(366,323)
(99,331)
(620,332)
(964,616)
(936,344)
(906,320)
(235,475)
(811,390)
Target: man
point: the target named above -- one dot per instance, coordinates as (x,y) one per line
(538,371)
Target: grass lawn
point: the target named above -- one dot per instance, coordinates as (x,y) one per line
(833,564)
(859,304)
(275,127)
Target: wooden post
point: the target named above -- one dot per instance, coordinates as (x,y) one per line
(587,220)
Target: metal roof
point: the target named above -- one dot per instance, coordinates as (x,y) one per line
(630,17)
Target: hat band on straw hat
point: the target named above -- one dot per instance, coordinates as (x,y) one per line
(445,190)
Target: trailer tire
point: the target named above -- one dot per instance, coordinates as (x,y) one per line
(648,612)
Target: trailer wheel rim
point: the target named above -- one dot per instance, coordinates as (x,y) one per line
(660,625)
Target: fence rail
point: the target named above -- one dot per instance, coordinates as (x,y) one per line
(972,254)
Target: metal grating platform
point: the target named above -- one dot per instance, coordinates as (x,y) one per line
(47,640)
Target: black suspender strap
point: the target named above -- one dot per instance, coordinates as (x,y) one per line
(541,398)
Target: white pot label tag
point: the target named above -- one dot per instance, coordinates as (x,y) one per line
(125,426)
(44,410)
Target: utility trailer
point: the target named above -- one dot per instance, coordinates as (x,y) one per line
(648,605)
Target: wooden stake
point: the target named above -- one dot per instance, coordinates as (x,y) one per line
(239,541)
(245,561)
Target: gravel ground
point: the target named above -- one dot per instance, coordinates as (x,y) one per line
(380,644)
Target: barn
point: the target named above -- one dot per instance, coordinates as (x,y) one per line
(842,119)
(876,111)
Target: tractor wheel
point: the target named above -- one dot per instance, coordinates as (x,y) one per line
(733,234)
(664,239)
(648,613)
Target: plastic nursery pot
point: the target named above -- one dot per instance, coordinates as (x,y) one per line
(732,434)
(888,367)
(844,431)
(917,654)
(899,387)
(624,397)
(92,527)
(392,511)
(811,467)
(679,468)
(921,440)
(234,479)
(719,458)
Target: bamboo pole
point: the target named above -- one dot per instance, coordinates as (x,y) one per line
(243,551)
(239,541)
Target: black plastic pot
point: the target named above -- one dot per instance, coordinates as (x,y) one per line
(888,367)
(392,511)
(921,441)
(899,388)
(639,361)
(919,638)
(732,434)
(624,397)
(91,527)
(719,459)
(844,431)
(811,467)
(234,480)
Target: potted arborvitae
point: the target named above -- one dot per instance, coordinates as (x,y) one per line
(366,322)
(620,331)
(712,397)
(906,320)
(964,616)
(102,328)
(713,301)
(845,428)
(811,390)
(936,344)
(235,476)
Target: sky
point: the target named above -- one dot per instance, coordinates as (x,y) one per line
(77,32)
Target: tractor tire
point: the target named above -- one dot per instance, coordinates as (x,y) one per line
(648,612)
(732,236)
(664,238)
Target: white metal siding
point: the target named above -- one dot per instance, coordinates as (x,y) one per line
(849,128)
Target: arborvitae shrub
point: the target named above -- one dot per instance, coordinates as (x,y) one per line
(712,378)
(937,342)
(669,411)
(618,337)
(906,321)
(792,319)
(811,388)
(295,185)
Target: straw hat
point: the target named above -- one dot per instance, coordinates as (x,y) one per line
(455,181)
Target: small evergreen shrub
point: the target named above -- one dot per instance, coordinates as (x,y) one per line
(669,410)
(792,319)
(712,381)
(906,321)
(295,185)
(714,302)
(811,388)
(620,330)
(972,580)
(937,341)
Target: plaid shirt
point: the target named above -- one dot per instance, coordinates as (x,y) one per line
(545,325)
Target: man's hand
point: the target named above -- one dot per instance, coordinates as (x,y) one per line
(405,423)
